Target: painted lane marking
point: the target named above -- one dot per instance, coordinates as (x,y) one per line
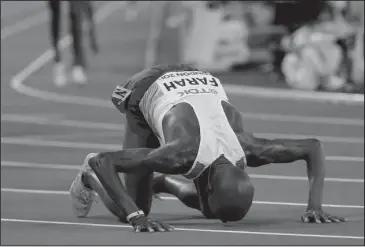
(259,176)
(169,198)
(102,146)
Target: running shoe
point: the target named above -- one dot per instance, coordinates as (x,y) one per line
(79,75)
(82,197)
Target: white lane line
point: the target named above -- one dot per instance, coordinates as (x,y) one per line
(299,178)
(42,60)
(15,118)
(23,25)
(40,166)
(259,176)
(44,143)
(40,192)
(292,94)
(345,158)
(253,116)
(102,146)
(170,198)
(183,229)
(72,136)
(302,119)
(108,126)
(333,139)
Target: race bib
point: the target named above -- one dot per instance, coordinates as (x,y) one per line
(186,83)
(119,96)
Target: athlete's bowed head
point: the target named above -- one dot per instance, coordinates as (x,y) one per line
(230,190)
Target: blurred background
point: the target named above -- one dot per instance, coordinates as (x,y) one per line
(304,44)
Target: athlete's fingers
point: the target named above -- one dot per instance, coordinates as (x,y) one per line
(311,217)
(167,227)
(342,219)
(325,218)
(317,218)
(336,219)
(137,228)
(157,227)
(149,228)
(305,218)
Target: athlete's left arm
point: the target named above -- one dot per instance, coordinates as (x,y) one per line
(261,152)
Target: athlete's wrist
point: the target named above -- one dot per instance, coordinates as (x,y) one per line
(133,216)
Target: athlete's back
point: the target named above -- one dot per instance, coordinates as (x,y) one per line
(205,95)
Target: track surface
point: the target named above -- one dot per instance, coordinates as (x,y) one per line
(36,210)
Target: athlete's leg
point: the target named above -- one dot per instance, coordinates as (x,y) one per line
(55,26)
(79,64)
(59,77)
(89,13)
(76,31)
(183,189)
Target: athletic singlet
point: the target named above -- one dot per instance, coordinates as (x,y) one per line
(204,93)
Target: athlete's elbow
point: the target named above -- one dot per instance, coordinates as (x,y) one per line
(314,149)
(315,145)
(315,142)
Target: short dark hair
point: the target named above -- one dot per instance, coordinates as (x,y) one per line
(231,191)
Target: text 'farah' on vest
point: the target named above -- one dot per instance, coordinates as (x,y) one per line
(190,81)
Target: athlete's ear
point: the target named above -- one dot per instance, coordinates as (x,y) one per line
(120,98)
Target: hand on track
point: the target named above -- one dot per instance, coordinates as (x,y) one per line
(318,216)
(144,224)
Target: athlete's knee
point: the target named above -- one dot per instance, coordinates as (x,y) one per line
(101,161)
